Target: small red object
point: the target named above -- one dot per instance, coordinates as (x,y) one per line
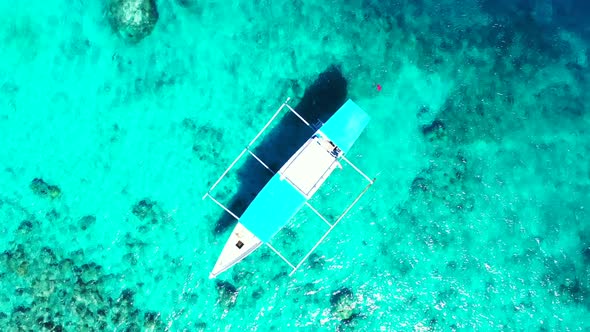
(378,87)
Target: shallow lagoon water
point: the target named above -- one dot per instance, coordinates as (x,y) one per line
(478,140)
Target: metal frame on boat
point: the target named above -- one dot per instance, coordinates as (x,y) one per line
(293,185)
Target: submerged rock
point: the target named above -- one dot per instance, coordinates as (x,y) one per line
(90,272)
(201,326)
(189,124)
(49,290)
(43,189)
(150,213)
(50,325)
(132,327)
(343,304)
(316,262)
(144,209)
(131,258)
(43,288)
(257,293)
(126,298)
(25,227)
(586,254)
(133,19)
(46,256)
(22,269)
(66,270)
(77,256)
(16,260)
(242,276)
(420,184)
(434,131)
(86,222)
(52,215)
(187,3)
(227,294)
(151,320)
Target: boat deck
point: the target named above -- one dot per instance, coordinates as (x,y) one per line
(311,165)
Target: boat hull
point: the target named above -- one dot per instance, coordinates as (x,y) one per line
(293,185)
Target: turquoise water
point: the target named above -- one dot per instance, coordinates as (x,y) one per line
(479,141)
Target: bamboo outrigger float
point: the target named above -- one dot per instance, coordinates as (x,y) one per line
(293,185)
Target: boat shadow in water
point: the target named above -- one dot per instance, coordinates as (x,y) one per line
(320,101)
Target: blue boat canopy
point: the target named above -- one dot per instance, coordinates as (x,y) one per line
(280,199)
(272,208)
(346,125)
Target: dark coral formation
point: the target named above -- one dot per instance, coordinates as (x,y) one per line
(343,304)
(227,294)
(442,181)
(52,215)
(202,152)
(439,193)
(151,320)
(149,211)
(58,291)
(44,189)
(133,19)
(434,131)
(586,254)
(563,280)
(51,289)
(26,226)
(189,4)
(144,209)
(316,261)
(86,221)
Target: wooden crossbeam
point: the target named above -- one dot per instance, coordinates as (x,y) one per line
(279,254)
(332,227)
(247,148)
(222,206)
(357,169)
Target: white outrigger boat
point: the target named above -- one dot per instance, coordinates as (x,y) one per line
(293,185)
